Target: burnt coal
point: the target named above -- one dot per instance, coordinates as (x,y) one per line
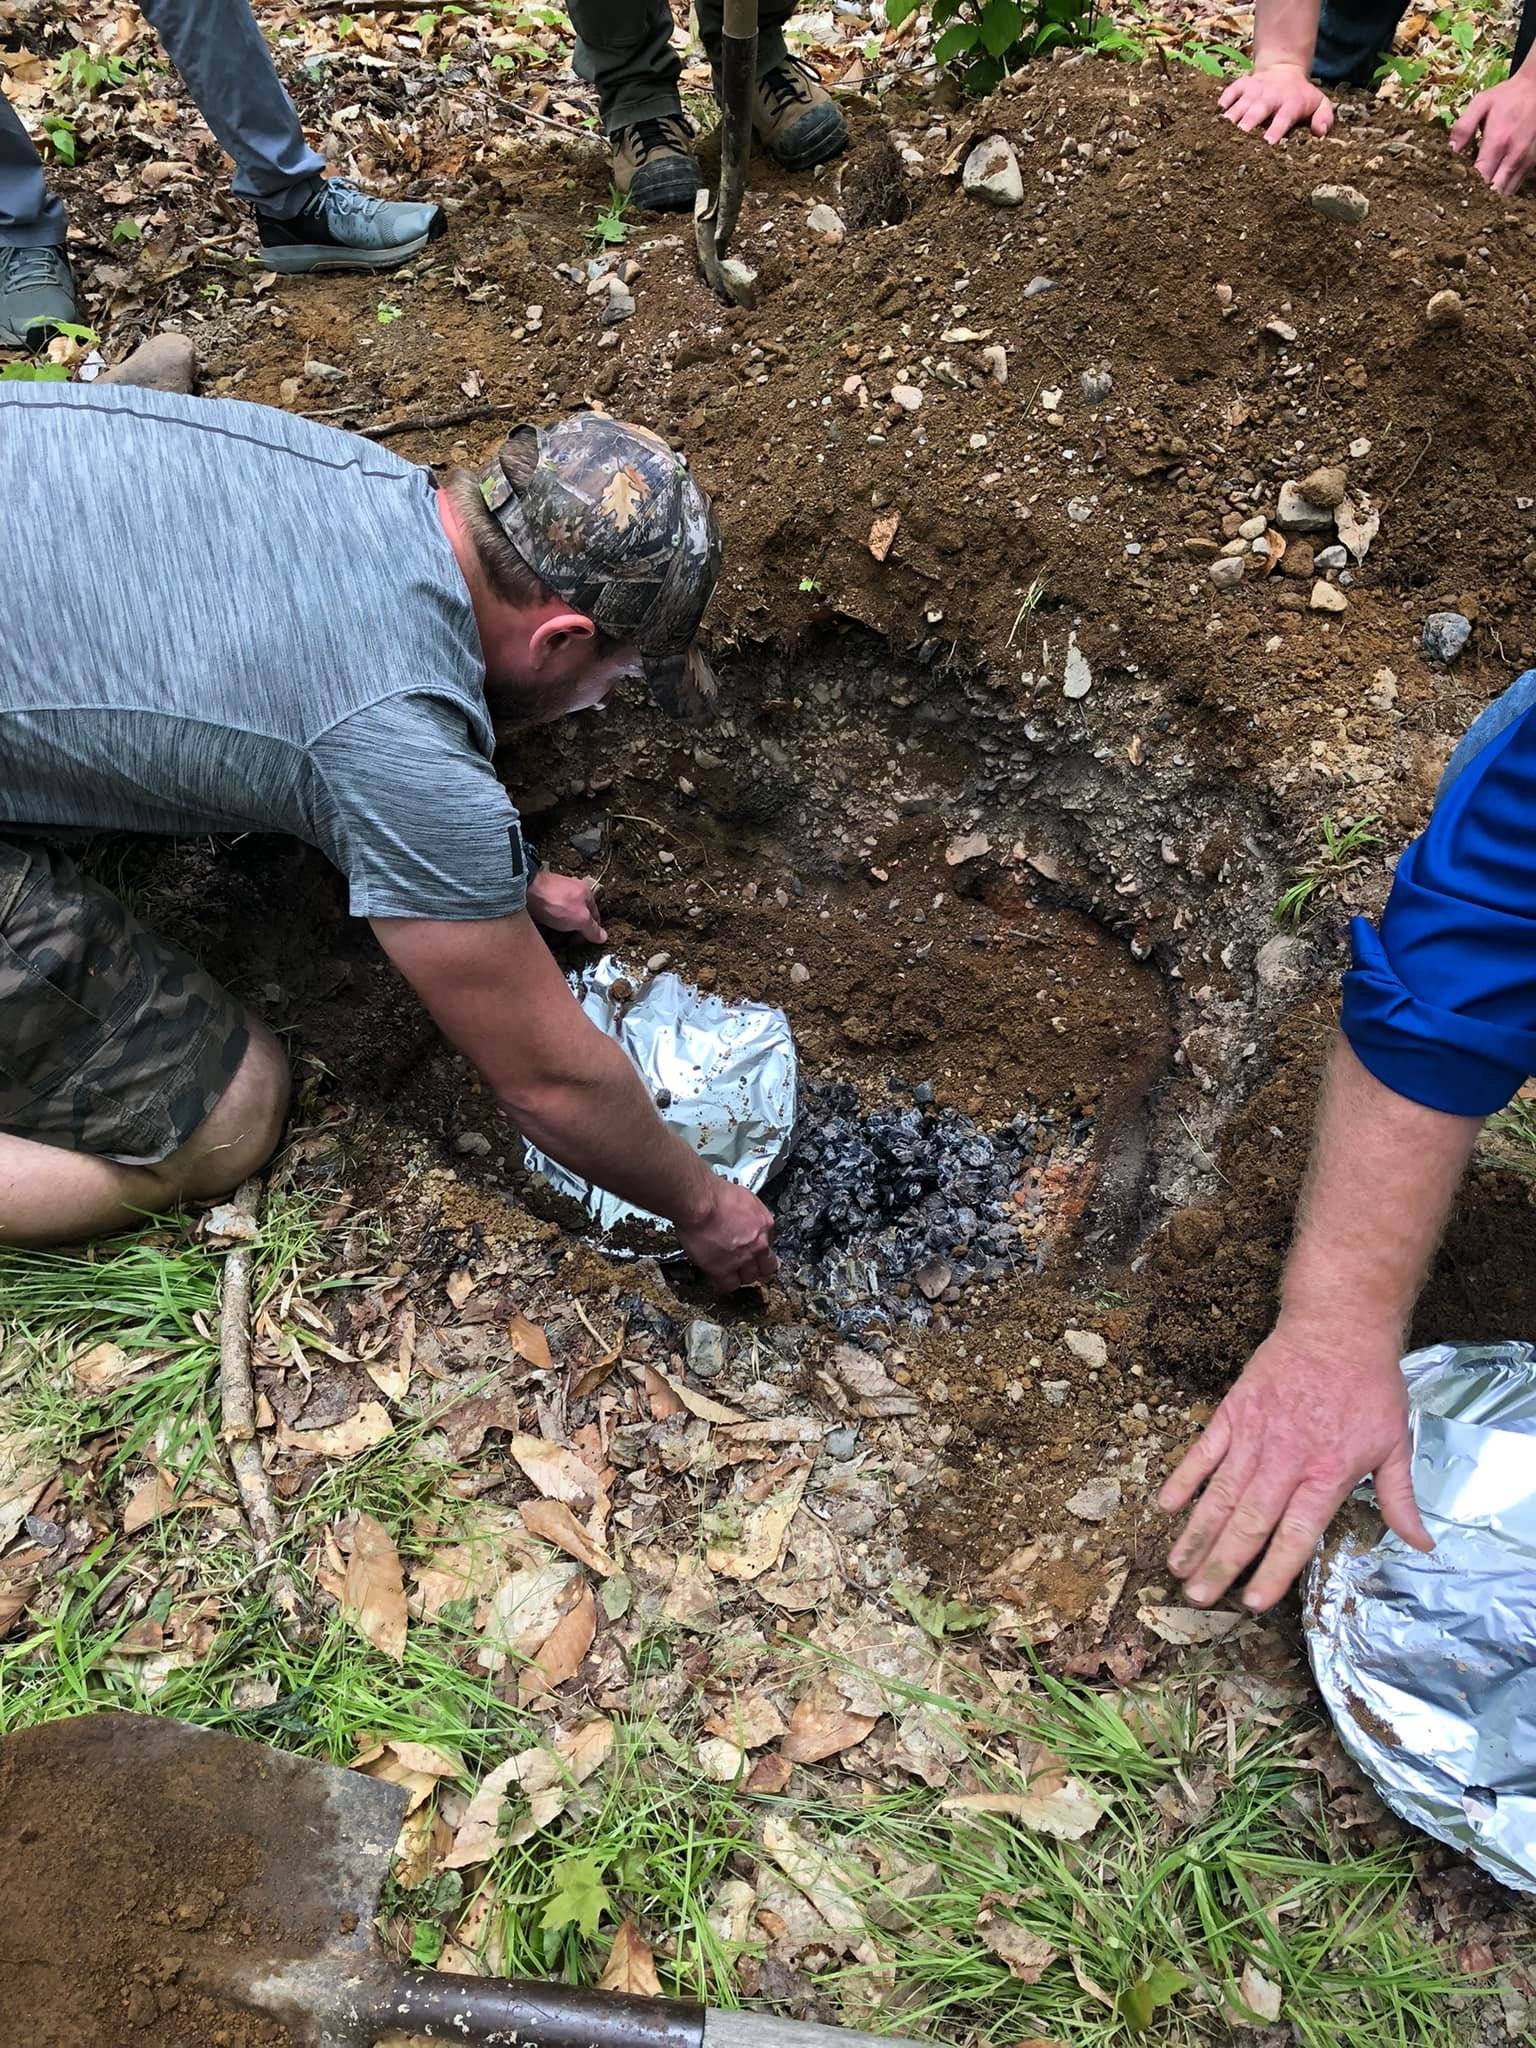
(881,1214)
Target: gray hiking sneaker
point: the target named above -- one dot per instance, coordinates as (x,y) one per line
(653,163)
(37,295)
(343,229)
(796,118)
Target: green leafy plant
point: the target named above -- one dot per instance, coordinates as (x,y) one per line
(59,134)
(34,373)
(1342,849)
(386,312)
(610,229)
(984,40)
(809,583)
(88,71)
(579,1899)
(127,231)
(939,1617)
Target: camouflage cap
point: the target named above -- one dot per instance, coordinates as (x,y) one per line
(608,517)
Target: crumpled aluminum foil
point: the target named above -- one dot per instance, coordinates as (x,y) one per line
(1428,1663)
(723,1076)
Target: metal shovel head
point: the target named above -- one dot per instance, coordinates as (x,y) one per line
(148,1869)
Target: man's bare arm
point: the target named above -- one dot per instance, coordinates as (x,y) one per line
(1278,95)
(498,996)
(1322,1403)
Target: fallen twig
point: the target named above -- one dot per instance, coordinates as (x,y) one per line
(237,1397)
(431,423)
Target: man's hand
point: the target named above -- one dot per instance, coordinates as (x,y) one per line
(1281,95)
(1305,1423)
(730,1245)
(1506,117)
(565,903)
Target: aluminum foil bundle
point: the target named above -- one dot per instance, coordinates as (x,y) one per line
(1428,1662)
(722,1075)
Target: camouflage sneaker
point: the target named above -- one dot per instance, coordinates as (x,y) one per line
(796,118)
(37,295)
(653,163)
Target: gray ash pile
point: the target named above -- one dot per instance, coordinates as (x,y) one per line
(891,1215)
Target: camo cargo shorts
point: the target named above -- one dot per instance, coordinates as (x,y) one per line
(112,1040)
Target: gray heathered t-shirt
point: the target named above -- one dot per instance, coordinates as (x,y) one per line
(215,617)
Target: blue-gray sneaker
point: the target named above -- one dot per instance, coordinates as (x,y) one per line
(343,229)
(37,295)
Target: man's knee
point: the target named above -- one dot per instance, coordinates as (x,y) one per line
(240,1133)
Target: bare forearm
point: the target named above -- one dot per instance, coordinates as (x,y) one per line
(1384,1172)
(1285,35)
(600,1123)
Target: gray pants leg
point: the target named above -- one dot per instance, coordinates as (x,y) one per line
(223,58)
(30,217)
(624,48)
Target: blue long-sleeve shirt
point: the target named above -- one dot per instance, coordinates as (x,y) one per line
(1440,1004)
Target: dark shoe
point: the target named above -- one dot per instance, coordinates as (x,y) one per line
(37,295)
(796,118)
(343,229)
(653,163)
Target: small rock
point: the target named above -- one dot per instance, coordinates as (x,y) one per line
(969,846)
(1226,571)
(1324,487)
(1236,546)
(1079,511)
(1078,679)
(1087,1345)
(840,1443)
(855,392)
(923,1094)
(741,279)
(473,1144)
(1333,557)
(827,222)
(1327,597)
(991,173)
(1296,513)
(932,1278)
(907,396)
(1056,1392)
(1281,331)
(1253,529)
(619,305)
(1050,397)
(1361,445)
(1095,385)
(588,842)
(799,974)
(323,373)
(706,1350)
(657,961)
(1296,562)
(1445,309)
(1340,202)
(1446,634)
(1224,297)
(1096,1501)
(1277,966)
(1382,694)
(166,362)
(1037,285)
(995,362)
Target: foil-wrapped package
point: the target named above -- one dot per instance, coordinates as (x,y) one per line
(1428,1661)
(722,1075)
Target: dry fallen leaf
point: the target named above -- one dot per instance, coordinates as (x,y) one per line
(529,1341)
(1027,1955)
(874,1392)
(753,1721)
(560,1656)
(661,1395)
(693,1598)
(553,1520)
(360,1432)
(548,1779)
(459,1286)
(1187,1626)
(106,1366)
(157,1497)
(630,1966)
(557,1473)
(1258,1995)
(525,1609)
(722,1761)
(22,1479)
(373,1594)
(822,1726)
(1068,1813)
(809,1870)
(749,1535)
(696,1403)
(391,1373)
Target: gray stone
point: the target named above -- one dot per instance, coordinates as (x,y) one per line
(827,221)
(588,842)
(1340,202)
(991,173)
(1445,309)
(1252,529)
(840,1443)
(1087,1345)
(166,362)
(1056,1392)
(473,1144)
(1333,557)
(618,306)
(1278,965)
(1037,285)
(706,1350)
(1326,597)
(1446,634)
(323,373)
(1324,486)
(1096,1501)
(1297,513)
(1096,385)
(1226,571)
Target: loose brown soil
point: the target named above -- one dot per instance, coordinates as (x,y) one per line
(136,1853)
(1112,946)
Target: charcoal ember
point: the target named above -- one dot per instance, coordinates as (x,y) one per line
(871,1200)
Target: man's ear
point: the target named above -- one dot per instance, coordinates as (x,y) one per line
(552,635)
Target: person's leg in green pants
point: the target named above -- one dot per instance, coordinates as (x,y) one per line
(625,50)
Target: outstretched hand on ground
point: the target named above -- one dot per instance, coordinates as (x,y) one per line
(566,903)
(1305,1423)
(731,1246)
(1505,116)
(1277,99)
